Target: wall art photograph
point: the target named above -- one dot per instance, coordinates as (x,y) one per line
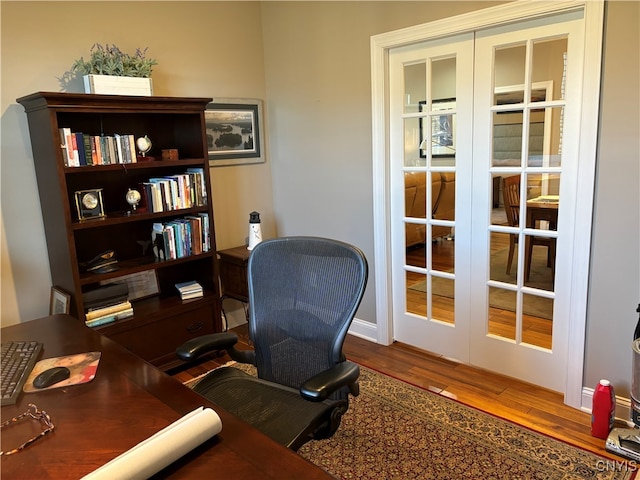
(59,302)
(234,131)
(442,129)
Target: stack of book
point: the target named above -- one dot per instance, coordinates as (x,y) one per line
(189,290)
(107,314)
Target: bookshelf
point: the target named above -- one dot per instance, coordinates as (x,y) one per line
(161,320)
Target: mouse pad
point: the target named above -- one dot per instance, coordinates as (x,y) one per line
(82,366)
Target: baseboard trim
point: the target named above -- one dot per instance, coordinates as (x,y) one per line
(364,330)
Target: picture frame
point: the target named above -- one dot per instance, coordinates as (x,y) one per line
(59,301)
(234,131)
(443,142)
(141,284)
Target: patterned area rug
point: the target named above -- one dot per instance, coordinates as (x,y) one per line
(394,430)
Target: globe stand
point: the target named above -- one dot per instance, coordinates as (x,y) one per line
(133,198)
(145,158)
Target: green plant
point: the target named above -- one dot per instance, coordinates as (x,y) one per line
(110,60)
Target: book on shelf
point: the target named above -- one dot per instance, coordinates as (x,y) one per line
(206,232)
(191,289)
(188,287)
(78,146)
(110,318)
(96,150)
(108,310)
(67,141)
(200,184)
(88,153)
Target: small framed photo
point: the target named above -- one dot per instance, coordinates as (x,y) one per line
(60,301)
(443,142)
(234,131)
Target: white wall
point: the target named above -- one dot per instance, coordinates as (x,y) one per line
(614,286)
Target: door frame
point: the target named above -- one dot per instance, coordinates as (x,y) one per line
(469,22)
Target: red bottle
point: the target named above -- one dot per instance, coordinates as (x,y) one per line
(603,410)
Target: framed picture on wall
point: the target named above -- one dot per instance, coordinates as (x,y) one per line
(234,131)
(59,302)
(443,130)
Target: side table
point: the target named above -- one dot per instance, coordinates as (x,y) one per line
(233,277)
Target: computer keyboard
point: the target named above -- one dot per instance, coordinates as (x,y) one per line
(17,360)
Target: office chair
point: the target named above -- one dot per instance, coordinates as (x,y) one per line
(303,295)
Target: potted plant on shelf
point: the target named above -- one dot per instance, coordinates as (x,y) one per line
(109,70)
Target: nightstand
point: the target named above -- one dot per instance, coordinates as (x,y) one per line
(233,276)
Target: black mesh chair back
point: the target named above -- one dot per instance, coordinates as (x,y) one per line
(303,295)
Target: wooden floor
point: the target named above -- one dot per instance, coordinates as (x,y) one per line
(519,402)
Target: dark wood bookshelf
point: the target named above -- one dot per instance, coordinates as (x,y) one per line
(162,321)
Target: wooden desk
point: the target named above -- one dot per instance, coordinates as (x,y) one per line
(127,402)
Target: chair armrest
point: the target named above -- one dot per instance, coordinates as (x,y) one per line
(196,347)
(321,386)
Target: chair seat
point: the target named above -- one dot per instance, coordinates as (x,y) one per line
(278,411)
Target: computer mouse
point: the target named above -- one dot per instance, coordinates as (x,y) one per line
(51,376)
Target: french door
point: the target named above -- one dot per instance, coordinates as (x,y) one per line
(431,172)
(483,170)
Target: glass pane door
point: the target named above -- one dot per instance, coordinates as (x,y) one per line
(521,97)
(426,163)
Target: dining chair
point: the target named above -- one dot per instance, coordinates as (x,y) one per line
(511,200)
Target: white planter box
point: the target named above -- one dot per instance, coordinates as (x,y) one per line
(114,85)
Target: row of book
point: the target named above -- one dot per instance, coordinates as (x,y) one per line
(181,237)
(107,304)
(174,192)
(111,313)
(81,149)
(189,290)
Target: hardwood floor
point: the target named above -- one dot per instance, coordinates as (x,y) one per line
(519,402)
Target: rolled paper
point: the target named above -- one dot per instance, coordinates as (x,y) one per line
(162,449)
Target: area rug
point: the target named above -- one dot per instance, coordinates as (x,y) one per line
(396,431)
(539,277)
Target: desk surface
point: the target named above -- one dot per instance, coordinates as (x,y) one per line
(127,402)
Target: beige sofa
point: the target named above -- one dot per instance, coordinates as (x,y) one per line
(442,204)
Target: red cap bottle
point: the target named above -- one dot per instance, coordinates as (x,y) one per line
(603,410)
